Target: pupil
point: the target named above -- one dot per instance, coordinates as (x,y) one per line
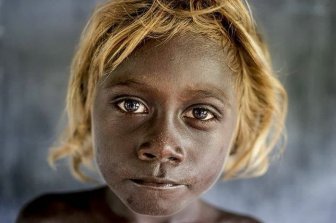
(131,105)
(200,113)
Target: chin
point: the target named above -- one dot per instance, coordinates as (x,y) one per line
(153,208)
(154,211)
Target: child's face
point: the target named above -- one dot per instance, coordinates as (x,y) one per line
(169,113)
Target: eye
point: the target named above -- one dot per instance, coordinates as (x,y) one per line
(200,113)
(132,106)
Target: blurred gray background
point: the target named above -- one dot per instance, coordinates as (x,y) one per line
(37,40)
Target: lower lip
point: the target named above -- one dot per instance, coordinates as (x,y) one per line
(158,186)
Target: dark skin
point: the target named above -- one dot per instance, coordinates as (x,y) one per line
(163,125)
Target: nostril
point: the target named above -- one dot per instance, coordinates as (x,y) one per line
(149,155)
(173,159)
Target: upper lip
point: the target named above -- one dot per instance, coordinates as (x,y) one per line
(155,180)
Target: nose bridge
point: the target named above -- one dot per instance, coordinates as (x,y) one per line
(162,141)
(164,131)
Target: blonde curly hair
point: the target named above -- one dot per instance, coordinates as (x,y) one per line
(118,27)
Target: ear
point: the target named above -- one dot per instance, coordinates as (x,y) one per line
(233,149)
(234,144)
(229,163)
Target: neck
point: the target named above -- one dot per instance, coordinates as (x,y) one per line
(189,213)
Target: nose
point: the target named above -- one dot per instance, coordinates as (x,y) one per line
(163,153)
(162,144)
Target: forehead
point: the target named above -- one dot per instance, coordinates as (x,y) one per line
(194,45)
(182,62)
(180,52)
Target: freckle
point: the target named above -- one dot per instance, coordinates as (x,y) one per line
(129,200)
(178,150)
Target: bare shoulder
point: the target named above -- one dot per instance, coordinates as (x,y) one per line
(238,218)
(62,207)
(223,216)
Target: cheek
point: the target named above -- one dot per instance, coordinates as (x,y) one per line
(211,168)
(113,159)
(111,150)
(210,159)
(113,147)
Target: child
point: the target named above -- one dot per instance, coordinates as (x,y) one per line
(166,97)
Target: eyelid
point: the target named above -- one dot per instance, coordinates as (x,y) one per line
(207,119)
(215,113)
(127,96)
(117,100)
(133,112)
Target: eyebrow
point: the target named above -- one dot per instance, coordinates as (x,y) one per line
(126,82)
(209,92)
(196,90)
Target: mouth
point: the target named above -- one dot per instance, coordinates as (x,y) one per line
(156,183)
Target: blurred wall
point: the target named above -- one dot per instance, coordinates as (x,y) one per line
(37,40)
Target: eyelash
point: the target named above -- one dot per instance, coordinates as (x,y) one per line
(213,118)
(209,111)
(117,103)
